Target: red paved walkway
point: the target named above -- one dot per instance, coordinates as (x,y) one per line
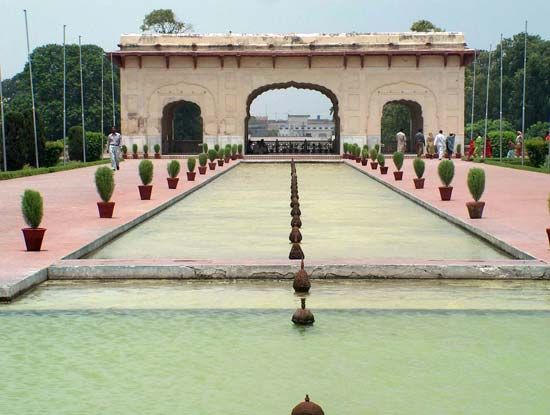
(516,201)
(70,212)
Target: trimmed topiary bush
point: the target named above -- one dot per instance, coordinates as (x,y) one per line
(373,155)
(203,159)
(419,167)
(191,163)
(459,149)
(446,171)
(217,148)
(381,160)
(537,150)
(212,155)
(398,158)
(365,154)
(146,172)
(476,182)
(221,154)
(157,148)
(54,150)
(204,148)
(240,148)
(32,207)
(134,148)
(94,150)
(104,183)
(173,168)
(346,148)
(234,149)
(124,149)
(145,149)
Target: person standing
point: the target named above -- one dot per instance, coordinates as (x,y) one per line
(519,143)
(420,143)
(430,147)
(450,143)
(114,148)
(401,141)
(440,144)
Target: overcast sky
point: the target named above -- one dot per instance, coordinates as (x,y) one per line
(102,21)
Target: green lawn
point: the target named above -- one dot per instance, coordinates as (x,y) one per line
(44,170)
(516,164)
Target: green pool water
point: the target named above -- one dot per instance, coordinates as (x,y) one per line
(245,214)
(386,347)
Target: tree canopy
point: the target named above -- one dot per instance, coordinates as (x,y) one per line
(425,26)
(47,66)
(164,21)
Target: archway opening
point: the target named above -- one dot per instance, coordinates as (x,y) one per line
(400,115)
(182,130)
(292,118)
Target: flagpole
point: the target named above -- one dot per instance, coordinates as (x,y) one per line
(113,90)
(2,120)
(501,71)
(32,91)
(487,103)
(82,99)
(473,97)
(102,128)
(64,96)
(523,104)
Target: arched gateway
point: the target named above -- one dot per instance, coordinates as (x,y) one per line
(222,74)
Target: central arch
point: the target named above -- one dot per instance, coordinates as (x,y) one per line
(335,147)
(414,123)
(182,128)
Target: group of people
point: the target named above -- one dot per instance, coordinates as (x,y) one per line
(439,144)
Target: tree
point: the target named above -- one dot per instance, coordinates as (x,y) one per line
(47,66)
(164,21)
(20,148)
(425,26)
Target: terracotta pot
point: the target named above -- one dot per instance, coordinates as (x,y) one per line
(125,156)
(446,192)
(145,191)
(240,156)
(191,176)
(212,165)
(373,165)
(145,155)
(419,183)
(384,169)
(220,162)
(226,159)
(33,238)
(105,209)
(135,156)
(233,157)
(157,155)
(172,182)
(458,155)
(358,159)
(364,162)
(475,209)
(202,169)
(398,175)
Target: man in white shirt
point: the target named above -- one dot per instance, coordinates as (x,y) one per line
(439,143)
(401,141)
(114,148)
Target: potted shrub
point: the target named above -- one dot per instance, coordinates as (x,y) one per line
(146,174)
(203,159)
(145,151)
(398,158)
(476,185)
(374,159)
(419,167)
(124,152)
(227,153)
(346,149)
(221,155)
(446,171)
(204,148)
(157,151)
(234,152)
(173,169)
(134,151)
(105,185)
(217,148)
(458,153)
(191,163)
(240,151)
(212,157)
(382,163)
(32,207)
(365,157)
(357,154)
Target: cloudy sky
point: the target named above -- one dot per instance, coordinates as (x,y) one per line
(102,21)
